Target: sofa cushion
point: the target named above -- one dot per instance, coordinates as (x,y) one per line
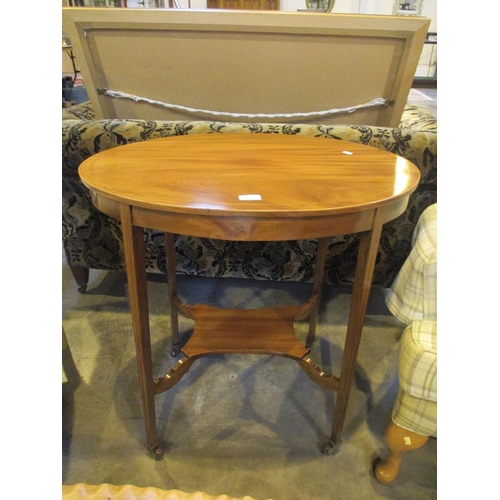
(415,414)
(415,407)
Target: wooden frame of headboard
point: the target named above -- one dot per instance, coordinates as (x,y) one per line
(246,62)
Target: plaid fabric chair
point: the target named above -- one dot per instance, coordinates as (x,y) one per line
(413,300)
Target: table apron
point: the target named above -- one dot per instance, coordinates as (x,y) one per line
(253,229)
(245,228)
(263,228)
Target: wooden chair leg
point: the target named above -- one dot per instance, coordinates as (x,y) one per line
(399,441)
(81,275)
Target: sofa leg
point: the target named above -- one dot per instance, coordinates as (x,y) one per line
(65,344)
(399,441)
(81,275)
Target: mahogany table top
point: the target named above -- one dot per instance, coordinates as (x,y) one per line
(250,175)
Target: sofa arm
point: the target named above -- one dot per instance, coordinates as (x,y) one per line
(417,118)
(82,111)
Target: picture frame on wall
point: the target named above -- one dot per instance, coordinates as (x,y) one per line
(407,7)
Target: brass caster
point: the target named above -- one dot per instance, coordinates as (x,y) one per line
(82,289)
(175,351)
(329,448)
(157,452)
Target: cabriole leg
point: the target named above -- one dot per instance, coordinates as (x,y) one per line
(399,441)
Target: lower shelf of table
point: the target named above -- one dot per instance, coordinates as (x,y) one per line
(244,331)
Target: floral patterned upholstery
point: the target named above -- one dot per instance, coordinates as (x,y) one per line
(93,240)
(415,119)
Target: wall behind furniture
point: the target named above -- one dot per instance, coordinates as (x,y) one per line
(380,7)
(428,60)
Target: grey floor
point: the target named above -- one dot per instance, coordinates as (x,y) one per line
(235,425)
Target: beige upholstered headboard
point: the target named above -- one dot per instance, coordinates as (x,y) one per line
(289,66)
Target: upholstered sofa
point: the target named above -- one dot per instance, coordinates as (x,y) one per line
(92,240)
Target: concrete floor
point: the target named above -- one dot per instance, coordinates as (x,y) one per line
(234,425)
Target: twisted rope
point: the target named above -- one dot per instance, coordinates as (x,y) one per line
(380,101)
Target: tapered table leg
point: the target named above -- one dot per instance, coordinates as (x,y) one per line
(319,274)
(133,241)
(367,255)
(172,292)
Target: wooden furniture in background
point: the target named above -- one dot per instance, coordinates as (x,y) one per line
(247,187)
(244,4)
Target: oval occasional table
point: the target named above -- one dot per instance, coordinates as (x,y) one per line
(248,187)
